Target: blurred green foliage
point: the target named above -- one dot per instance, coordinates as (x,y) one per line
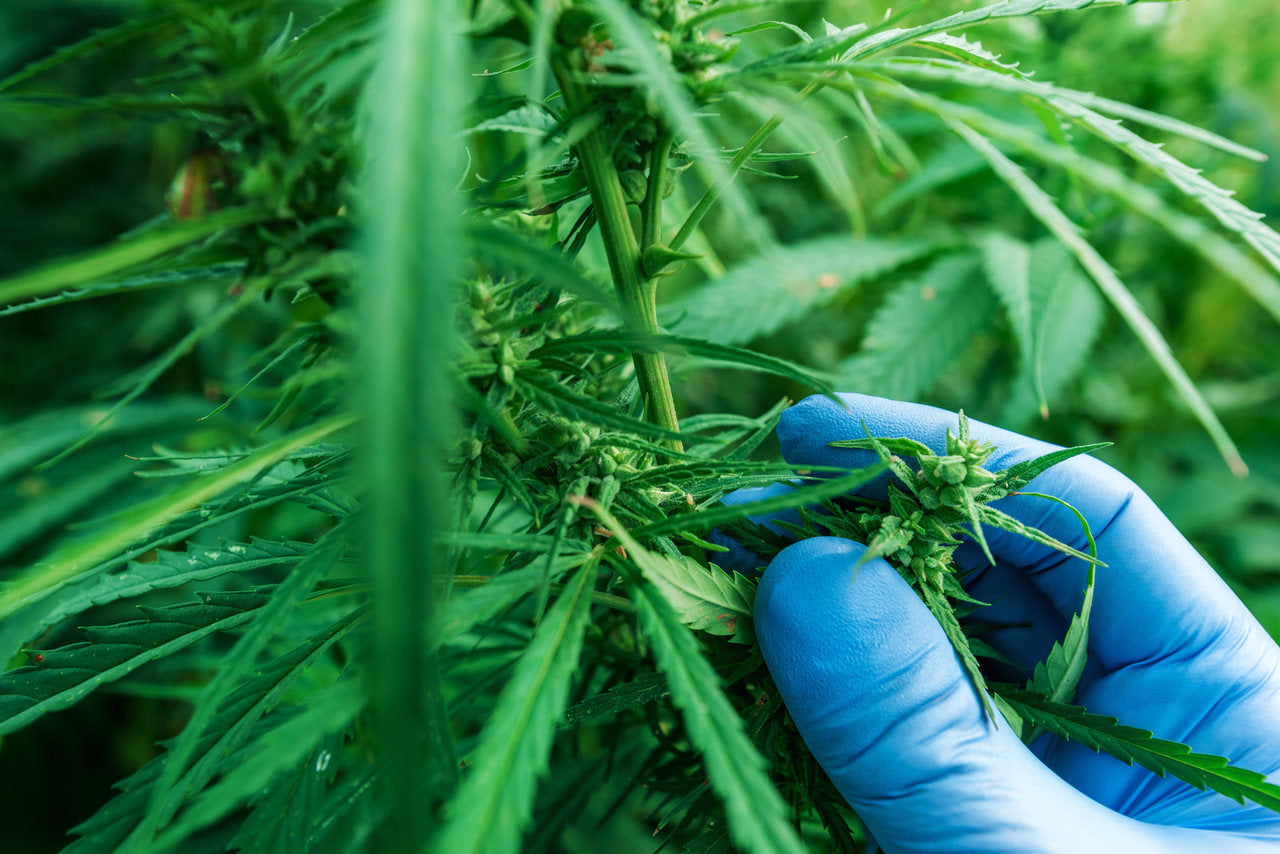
(74,175)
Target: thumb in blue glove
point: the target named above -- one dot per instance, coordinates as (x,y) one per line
(882,701)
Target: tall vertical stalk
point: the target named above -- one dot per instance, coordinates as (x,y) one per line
(636,291)
(413,254)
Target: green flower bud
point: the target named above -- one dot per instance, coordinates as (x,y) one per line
(634,185)
(645,130)
(669,184)
(608,465)
(952,469)
(979,476)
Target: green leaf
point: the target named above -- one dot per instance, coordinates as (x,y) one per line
(810,50)
(786,283)
(1160,121)
(505,246)
(131,29)
(976,514)
(115,257)
(1058,675)
(474,606)
(1043,208)
(356,794)
(707,519)
(765,426)
(168,794)
(1007,263)
(889,39)
(946,616)
(352,15)
(414,251)
(66,675)
(305,338)
(901,445)
(1132,745)
(169,569)
(284,816)
(920,329)
(1257,281)
(491,808)
(758,818)
(732,471)
(565,516)
(162,363)
(332,59)
(560,399)
(277,751)
(24,443)
(496,467)
(484,540)
(991,516)
(230,729)
(219,273)
(1006,711)
(86,556)
(54,499)
(706,599)
(716,10)
(646,688)
(1020,474)
(1067,316)
(620,342)
(973,53)
(526,119)
(1218,202)
(953,162)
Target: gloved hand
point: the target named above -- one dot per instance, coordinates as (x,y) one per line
(880,698)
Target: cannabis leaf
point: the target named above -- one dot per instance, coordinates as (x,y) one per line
(758,819)
(919,330)
(516,742)
(763,295)
(62,677)
(1132,745)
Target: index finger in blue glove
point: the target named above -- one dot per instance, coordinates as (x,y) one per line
(879,696)
(1160,601)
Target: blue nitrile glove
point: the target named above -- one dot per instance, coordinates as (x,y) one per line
(880,698)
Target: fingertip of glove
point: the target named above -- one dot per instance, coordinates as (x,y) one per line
(804,430)
(855,653)
(815,595)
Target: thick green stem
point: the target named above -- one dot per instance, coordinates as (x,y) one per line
(636,292)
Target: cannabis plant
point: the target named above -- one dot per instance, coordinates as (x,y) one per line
(381,461)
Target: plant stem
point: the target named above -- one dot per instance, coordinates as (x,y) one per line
(636,292)
(651,218)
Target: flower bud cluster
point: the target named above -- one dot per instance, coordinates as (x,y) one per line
(942,479)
